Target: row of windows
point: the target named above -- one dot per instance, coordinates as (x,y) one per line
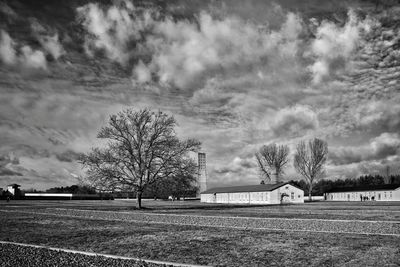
(360,195)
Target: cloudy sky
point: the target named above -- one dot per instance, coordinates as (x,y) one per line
(235,74)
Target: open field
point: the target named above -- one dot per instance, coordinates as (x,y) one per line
(114,227)
(375,211)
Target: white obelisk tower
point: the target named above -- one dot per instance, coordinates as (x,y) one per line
(201,174)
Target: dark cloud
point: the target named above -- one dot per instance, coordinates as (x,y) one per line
(295,121)
(379,148)
(68,156)
(7,172)
(7,164)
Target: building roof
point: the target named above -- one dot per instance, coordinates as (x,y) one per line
(365,188)
(14,185)
(245,188)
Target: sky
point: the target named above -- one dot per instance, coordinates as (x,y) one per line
(236,75)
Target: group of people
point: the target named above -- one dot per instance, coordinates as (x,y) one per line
(365,198)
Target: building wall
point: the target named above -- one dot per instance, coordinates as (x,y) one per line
(11,190)
(295,195)
(379,195)
(65,195)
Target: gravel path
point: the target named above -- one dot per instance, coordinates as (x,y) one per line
(17,254)
(280,224)
(12,255)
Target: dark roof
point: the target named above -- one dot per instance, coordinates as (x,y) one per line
(14,185)
(245,188)
(365,188)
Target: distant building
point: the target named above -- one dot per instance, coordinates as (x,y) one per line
(254,194)
(386,192)
(66,196)
(14,189)
(60,196)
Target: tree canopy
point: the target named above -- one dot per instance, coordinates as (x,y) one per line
(310,159)
(272,159)
(142,148)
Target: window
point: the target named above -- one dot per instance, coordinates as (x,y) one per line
(292,195)
(390,194)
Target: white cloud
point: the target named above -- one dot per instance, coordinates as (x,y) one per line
(333,46)
(33,58)
(180,52)
(52,45)
(295,121)
(7,49)
(183,51)
(114,30)
(25,56)
(386,144)
(48,38)
(141,73)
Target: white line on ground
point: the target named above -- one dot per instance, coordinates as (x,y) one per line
(203,225)
(103,255)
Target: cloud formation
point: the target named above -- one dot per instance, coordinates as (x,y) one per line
(334,46)
(6,166)
(381,147)
(114,30)
(48,39)
(26,57)
(179,52)
(7,50)
(295,121)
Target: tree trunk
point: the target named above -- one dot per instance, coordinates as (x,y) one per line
(309,193)
(139,199)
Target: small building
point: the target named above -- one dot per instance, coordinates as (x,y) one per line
(254,194)
(14,189)
(386,192)
(67,196)
(57,196)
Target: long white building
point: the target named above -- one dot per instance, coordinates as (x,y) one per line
(254,194)
(387,192)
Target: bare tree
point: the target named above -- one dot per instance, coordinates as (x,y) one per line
(309,160)
(142,148)
(272,159)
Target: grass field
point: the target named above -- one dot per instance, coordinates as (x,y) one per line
(206,245)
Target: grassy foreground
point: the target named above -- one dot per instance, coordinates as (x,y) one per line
(201,245)
(379,211)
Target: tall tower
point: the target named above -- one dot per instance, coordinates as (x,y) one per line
(201,174)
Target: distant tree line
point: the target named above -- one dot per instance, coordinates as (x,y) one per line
(74,189)
(178,187)
(322,186)
(181,186)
